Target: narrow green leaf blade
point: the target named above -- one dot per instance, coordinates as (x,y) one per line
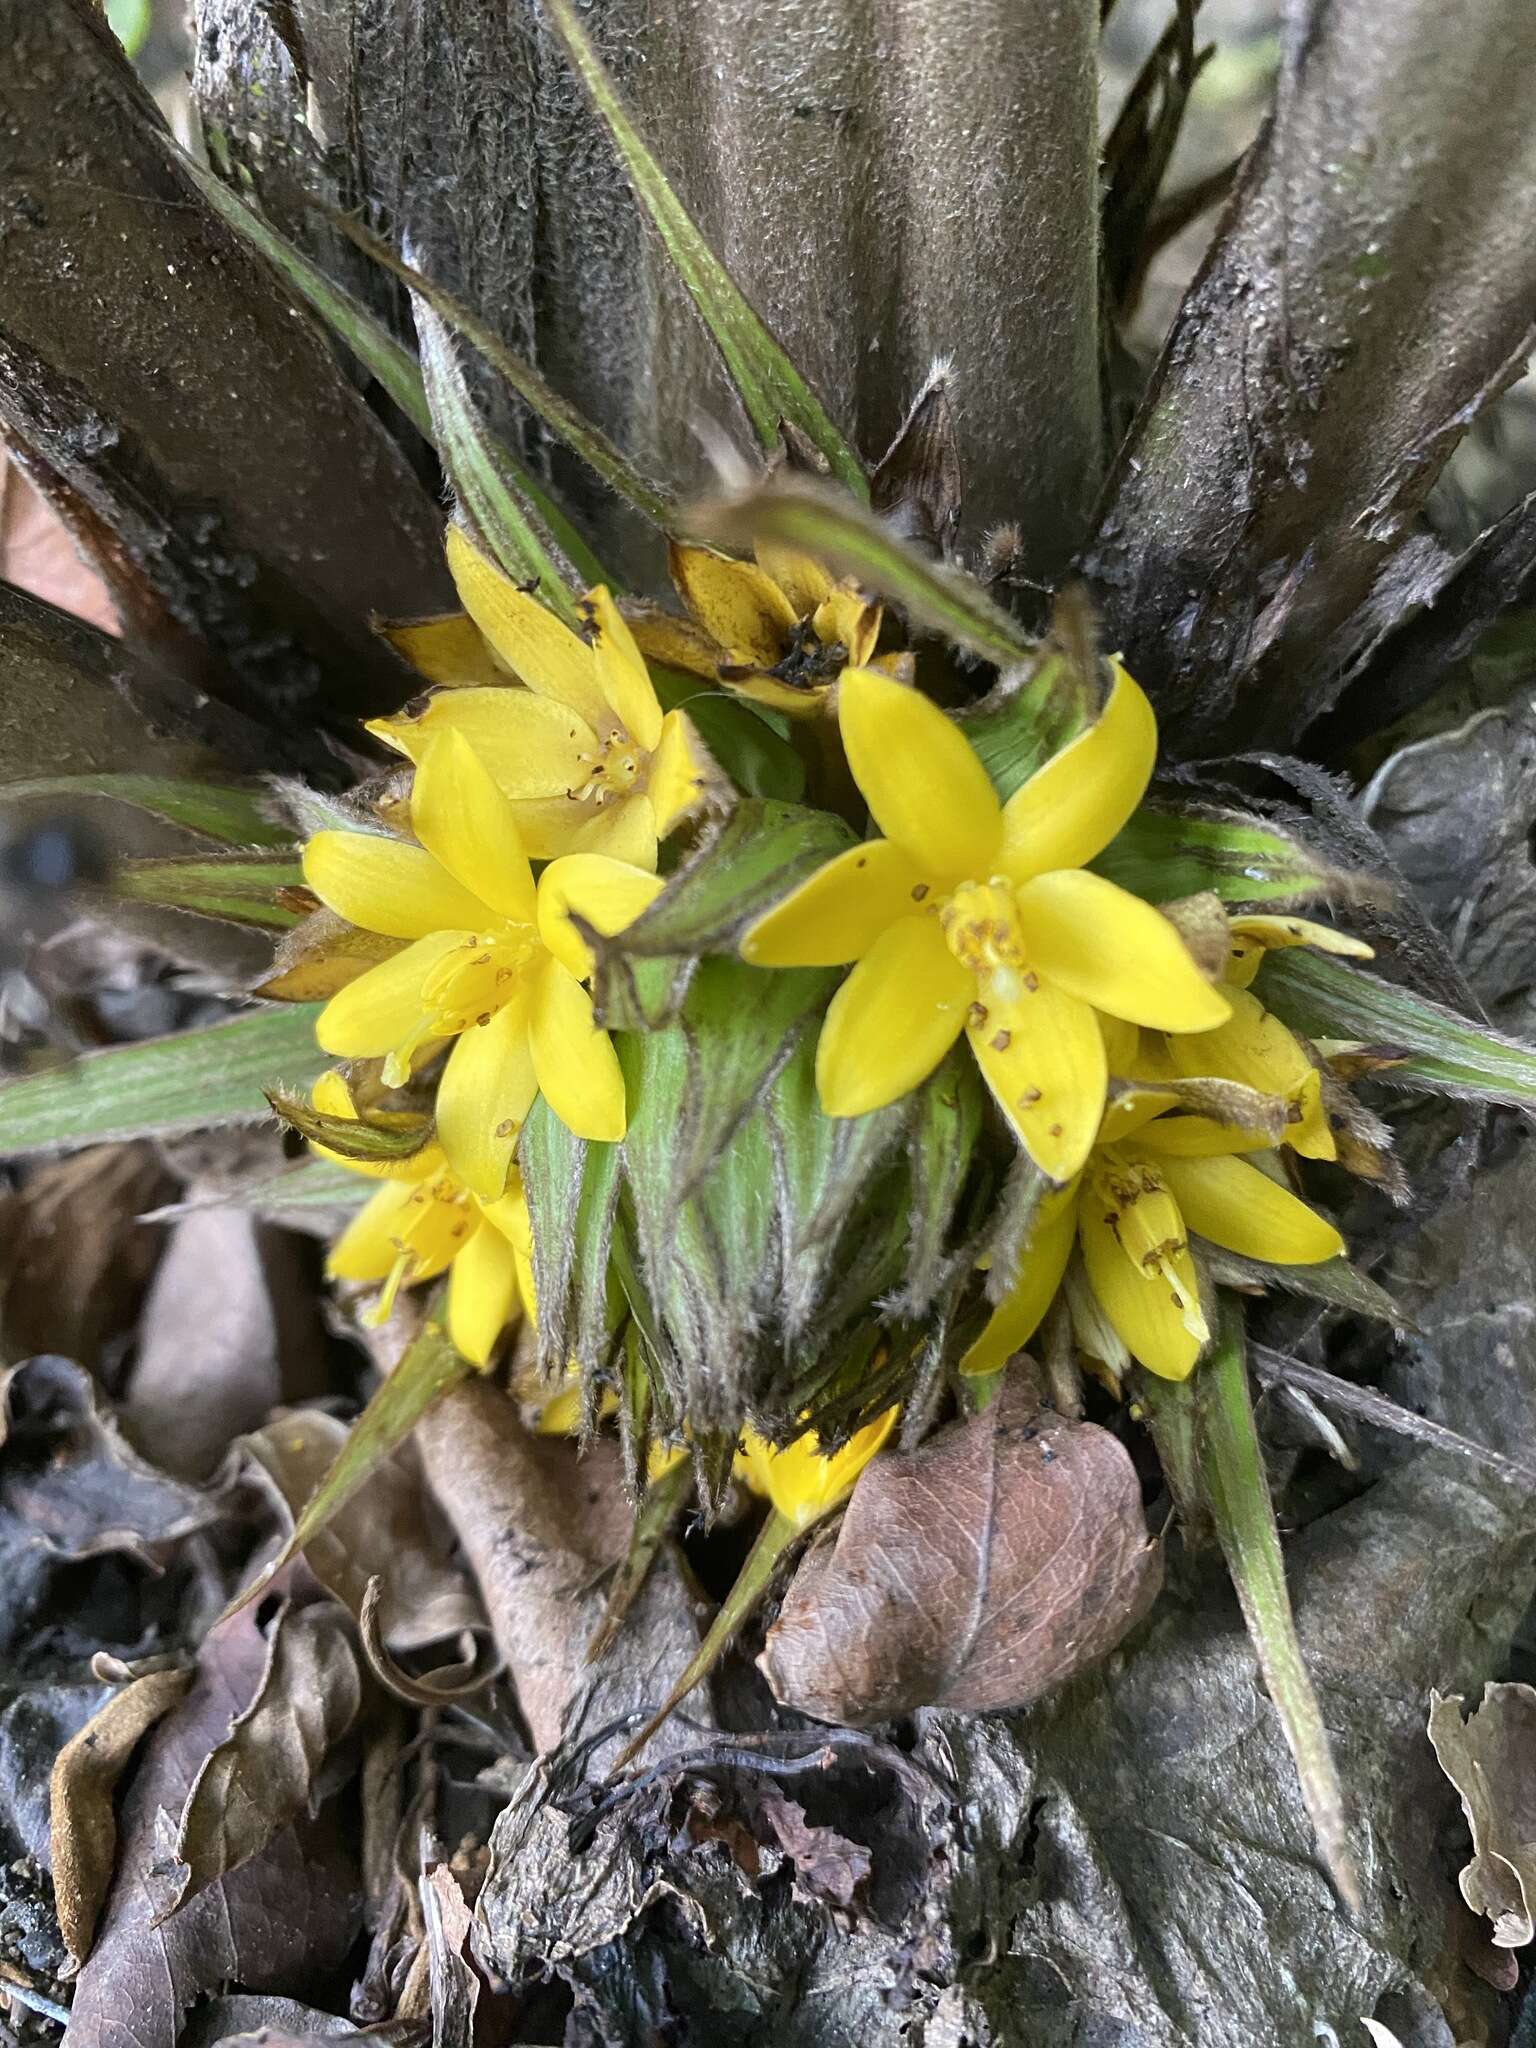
(1232,1465)
(367,337)
(223,811)
(660,1506)
(770,387)
(428,1367)
(1164,854)
(234,887)
(191,1082)
(492,489)
(1446,1054)
(562,418)
(852,541)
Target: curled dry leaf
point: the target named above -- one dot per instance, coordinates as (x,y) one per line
(82,1820)
(992,1563)
(389,1527)
(1491,1760)
(283,1922)
(68,1476)
(76,1257)
(264,1774)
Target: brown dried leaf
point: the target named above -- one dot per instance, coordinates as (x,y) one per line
(828,1866)
(68,1476)
(390,1528)
(38,553)
(262,1776)
(455,1989)
(1491,1760)
(285,1921)
(992,1563)
(229,1330)
(76,1258)
(82,1820)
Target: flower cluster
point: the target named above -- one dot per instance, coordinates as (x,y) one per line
(1156,1100)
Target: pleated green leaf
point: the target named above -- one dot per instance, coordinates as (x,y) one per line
(1443,1053)
(230,813)
(1232,1467)
(1164,854)
(191,1082)
(236,888)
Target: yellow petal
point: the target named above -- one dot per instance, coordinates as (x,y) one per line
(1255,935)
(486,1091)
(801,577)
(921,777)
(681,772)
(1199,1137)
(1257,1049)
(459,814)
(1110,949)
(366,1249)
(1236,1206)
(1142,1309)
(578,1069)
(837,914)
(671,642)
(740,608)
(448,649)
(849,620)
(1131,1106)
(1072,807)
(1017,1317)
(383,1009)
(1041,1053)
(621,673)
(548,656)
(606,894)
(794,700)
(803,1485)
(624,830)
(331,1095)
(482,1294)
(893,1019)
(388,886)
(532,746)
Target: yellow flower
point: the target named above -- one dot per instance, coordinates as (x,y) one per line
(1151,1180)
(494,963)
(976,916)
(584,753)
(1253,1046)
(800,1481)
(778,630)
(424,1221)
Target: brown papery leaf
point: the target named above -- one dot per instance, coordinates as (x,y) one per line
(992,1563)
(1491,1760)
(263,1775)
(82,1823)
(283,1922)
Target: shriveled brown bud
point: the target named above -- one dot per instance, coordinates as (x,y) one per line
(978,1571)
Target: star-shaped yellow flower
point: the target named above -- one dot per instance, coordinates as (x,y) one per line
(584,753)
(976,916)
(779,630)
(424,1221)
(493,963)
(1151,1179)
